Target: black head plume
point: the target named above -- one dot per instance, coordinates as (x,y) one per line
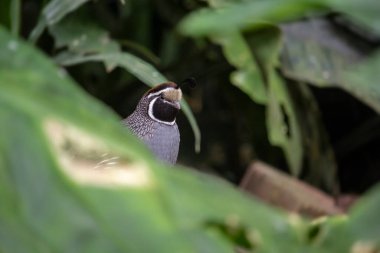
(190,81)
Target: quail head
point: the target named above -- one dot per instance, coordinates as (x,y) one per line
(154,120)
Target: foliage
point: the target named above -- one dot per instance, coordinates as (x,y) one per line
(58,196)
(310,52)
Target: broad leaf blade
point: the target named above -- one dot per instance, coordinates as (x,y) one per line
(364,12)
(52,13)
(282,123)
(313,52)
(282,120)
(248,77)
(245,15)
(361,80)
(364,216)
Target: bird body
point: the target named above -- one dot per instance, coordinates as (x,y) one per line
(154,121)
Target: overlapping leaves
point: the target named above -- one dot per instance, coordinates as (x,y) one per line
(85,41)
(317,59)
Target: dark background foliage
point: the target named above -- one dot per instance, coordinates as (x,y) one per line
(233,126)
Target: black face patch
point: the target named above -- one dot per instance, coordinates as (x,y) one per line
(164,111)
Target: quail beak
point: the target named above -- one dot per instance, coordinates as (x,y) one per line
(173,96)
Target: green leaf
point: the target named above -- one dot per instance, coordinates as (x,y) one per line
(364,13)
(245,15)
(222,3)
(364,216)
(313,52)
(323,58)
(282,123)
(282,120)
(330,234)
(139,68)
(15,235)
(55,10)
(52,13)
(248,77)
(361,80)
(80,36)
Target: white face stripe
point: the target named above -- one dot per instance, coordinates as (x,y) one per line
(159,92)
(150,111)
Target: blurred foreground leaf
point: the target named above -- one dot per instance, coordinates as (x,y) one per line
(365,223)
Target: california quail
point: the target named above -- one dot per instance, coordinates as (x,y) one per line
(154,120)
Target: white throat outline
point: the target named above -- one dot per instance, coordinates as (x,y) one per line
(150,111)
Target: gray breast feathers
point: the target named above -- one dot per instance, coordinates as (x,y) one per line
(163,140)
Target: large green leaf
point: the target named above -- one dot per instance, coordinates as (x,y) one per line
(237,15)
(52,13)
(364,13)
(315,53)
(80,36)
(361,80)
(245,15)
(247,77)
(364,225)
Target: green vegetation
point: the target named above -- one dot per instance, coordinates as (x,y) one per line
(54,134)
